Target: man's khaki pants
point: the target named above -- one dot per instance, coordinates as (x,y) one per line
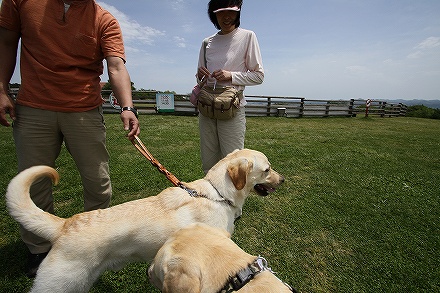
(39,135)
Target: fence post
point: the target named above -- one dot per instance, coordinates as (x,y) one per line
(402,111)
(350,107)
(382,107)
(269,102)
(301,108)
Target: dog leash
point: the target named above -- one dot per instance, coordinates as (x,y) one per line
(144,151)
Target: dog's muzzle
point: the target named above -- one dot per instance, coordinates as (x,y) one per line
(263,190)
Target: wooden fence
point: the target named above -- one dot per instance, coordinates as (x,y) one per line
(301,107)
(267,106)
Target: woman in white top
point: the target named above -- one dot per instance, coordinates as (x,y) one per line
(231,58)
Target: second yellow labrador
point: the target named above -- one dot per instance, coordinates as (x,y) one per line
(87,244)
(203,259)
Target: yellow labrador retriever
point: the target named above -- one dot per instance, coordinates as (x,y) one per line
(202,259)
(87,244)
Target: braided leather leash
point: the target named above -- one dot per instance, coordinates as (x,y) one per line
(143,150)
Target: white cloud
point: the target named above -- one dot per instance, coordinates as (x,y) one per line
(357,69)
(131,29)
(180,42)
(424,46)
(415,55)
(177,4)
(429,43)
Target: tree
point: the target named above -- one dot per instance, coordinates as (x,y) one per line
(108,86)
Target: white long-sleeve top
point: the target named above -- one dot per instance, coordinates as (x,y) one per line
(237,52)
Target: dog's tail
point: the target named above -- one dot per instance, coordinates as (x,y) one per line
(22,208)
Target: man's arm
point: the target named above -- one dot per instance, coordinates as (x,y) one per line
(121,86)
(8,57)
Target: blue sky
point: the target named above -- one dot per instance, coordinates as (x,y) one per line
(317,49)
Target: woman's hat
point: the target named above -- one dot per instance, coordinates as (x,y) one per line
(234,8)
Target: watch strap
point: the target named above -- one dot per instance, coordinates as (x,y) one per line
(132,109)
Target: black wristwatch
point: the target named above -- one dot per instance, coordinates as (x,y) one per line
(132,109)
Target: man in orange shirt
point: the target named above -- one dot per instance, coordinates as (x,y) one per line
(63,45)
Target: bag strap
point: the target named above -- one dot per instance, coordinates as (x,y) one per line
(205,44)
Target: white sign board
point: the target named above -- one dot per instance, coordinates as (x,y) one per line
(165,102)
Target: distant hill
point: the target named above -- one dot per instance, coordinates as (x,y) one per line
(435,104)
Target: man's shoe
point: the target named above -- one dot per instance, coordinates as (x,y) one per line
(33,262)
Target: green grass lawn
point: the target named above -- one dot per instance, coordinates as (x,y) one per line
(359,211)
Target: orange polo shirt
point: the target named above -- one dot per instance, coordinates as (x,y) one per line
(62,52)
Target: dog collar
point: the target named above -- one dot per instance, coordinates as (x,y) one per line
(191,192)
(223,198)
(194,193)
(243,277)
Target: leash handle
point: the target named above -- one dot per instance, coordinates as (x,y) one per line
(144,151)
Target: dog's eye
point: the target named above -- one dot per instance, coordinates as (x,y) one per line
(267,170)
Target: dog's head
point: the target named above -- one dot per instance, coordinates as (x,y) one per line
(249,169)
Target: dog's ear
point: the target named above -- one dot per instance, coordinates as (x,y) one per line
(181,283)
(181,276)
(238,170)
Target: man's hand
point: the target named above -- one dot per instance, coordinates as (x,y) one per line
(7,106)
(131,124)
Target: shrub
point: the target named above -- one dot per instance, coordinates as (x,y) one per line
(422,111)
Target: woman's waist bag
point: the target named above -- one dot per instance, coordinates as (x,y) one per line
(219,103)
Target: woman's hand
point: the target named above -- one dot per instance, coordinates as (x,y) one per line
(203,73)
(222,75)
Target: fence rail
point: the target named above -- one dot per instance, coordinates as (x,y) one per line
(267,106)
